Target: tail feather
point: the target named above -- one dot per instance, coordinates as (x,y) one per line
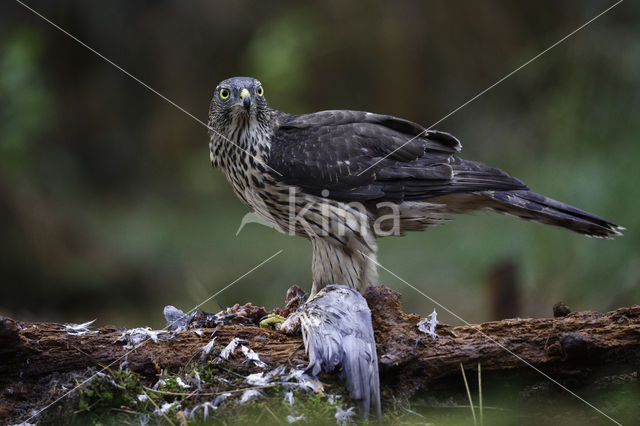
(538,208)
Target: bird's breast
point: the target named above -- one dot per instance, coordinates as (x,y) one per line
(242,159)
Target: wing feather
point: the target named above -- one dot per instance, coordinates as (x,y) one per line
(361,156)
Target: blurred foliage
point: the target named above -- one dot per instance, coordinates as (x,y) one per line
(26,102)
(277,54)
(109,207)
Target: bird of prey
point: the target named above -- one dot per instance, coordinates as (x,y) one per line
(344,178)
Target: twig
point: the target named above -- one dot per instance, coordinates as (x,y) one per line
(272,414)
(229,371)
(412,412)
(486,407)
(184,394)
(122,410)
(466,385)
(190,394)
(480,394)
(157,408)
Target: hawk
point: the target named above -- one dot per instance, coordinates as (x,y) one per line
(344,178)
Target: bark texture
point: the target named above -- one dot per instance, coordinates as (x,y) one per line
(578,343)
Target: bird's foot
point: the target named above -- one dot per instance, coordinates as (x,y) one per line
(271,320)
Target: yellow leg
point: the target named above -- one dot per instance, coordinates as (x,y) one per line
(271,320)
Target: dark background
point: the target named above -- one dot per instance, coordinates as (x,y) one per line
(109,208)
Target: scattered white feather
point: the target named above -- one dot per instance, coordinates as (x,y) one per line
(261,379)
(230,348)
(197,381)
(198,332)
(333,398)
(429,324)
(79,329)
(291,419)
(135,336)
(124,363)
(182,384)
(220,398)
(278,371)
(206,349)
(250,395)
(343,417)
(109,379)
(257,379)
(288,397)
(25,424)
(166,407)
(252,357)
(295,374)
(144,420)
(159,383)
(206,406)
(305,381)
(176,319)
(142,397)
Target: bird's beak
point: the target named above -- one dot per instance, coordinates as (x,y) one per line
(245,96)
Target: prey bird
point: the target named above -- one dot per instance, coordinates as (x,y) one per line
(344,178)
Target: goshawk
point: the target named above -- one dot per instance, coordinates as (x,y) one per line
(344,178)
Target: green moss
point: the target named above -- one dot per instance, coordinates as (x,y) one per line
(113,398)
(118,388)
(170,385)
(315,407)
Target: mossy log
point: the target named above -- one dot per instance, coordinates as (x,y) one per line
(576,344)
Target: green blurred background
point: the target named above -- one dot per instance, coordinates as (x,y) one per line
(109,208)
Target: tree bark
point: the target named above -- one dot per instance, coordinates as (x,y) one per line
(577,343)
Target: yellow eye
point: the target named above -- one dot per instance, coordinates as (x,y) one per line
(260,91)
(224,93)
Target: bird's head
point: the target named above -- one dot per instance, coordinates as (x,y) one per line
(238,100)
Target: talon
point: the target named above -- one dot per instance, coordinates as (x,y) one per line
(271,320)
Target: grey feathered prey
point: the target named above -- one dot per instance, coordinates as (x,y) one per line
(344,178)
(337,332)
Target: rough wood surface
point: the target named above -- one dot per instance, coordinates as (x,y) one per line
(32,350)
(574,344)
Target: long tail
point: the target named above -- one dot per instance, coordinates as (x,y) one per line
(538,208)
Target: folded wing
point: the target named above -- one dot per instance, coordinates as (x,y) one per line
(359,156)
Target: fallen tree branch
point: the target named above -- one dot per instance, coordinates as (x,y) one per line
(573,344)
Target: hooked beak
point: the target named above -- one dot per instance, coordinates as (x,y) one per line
(245,96)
